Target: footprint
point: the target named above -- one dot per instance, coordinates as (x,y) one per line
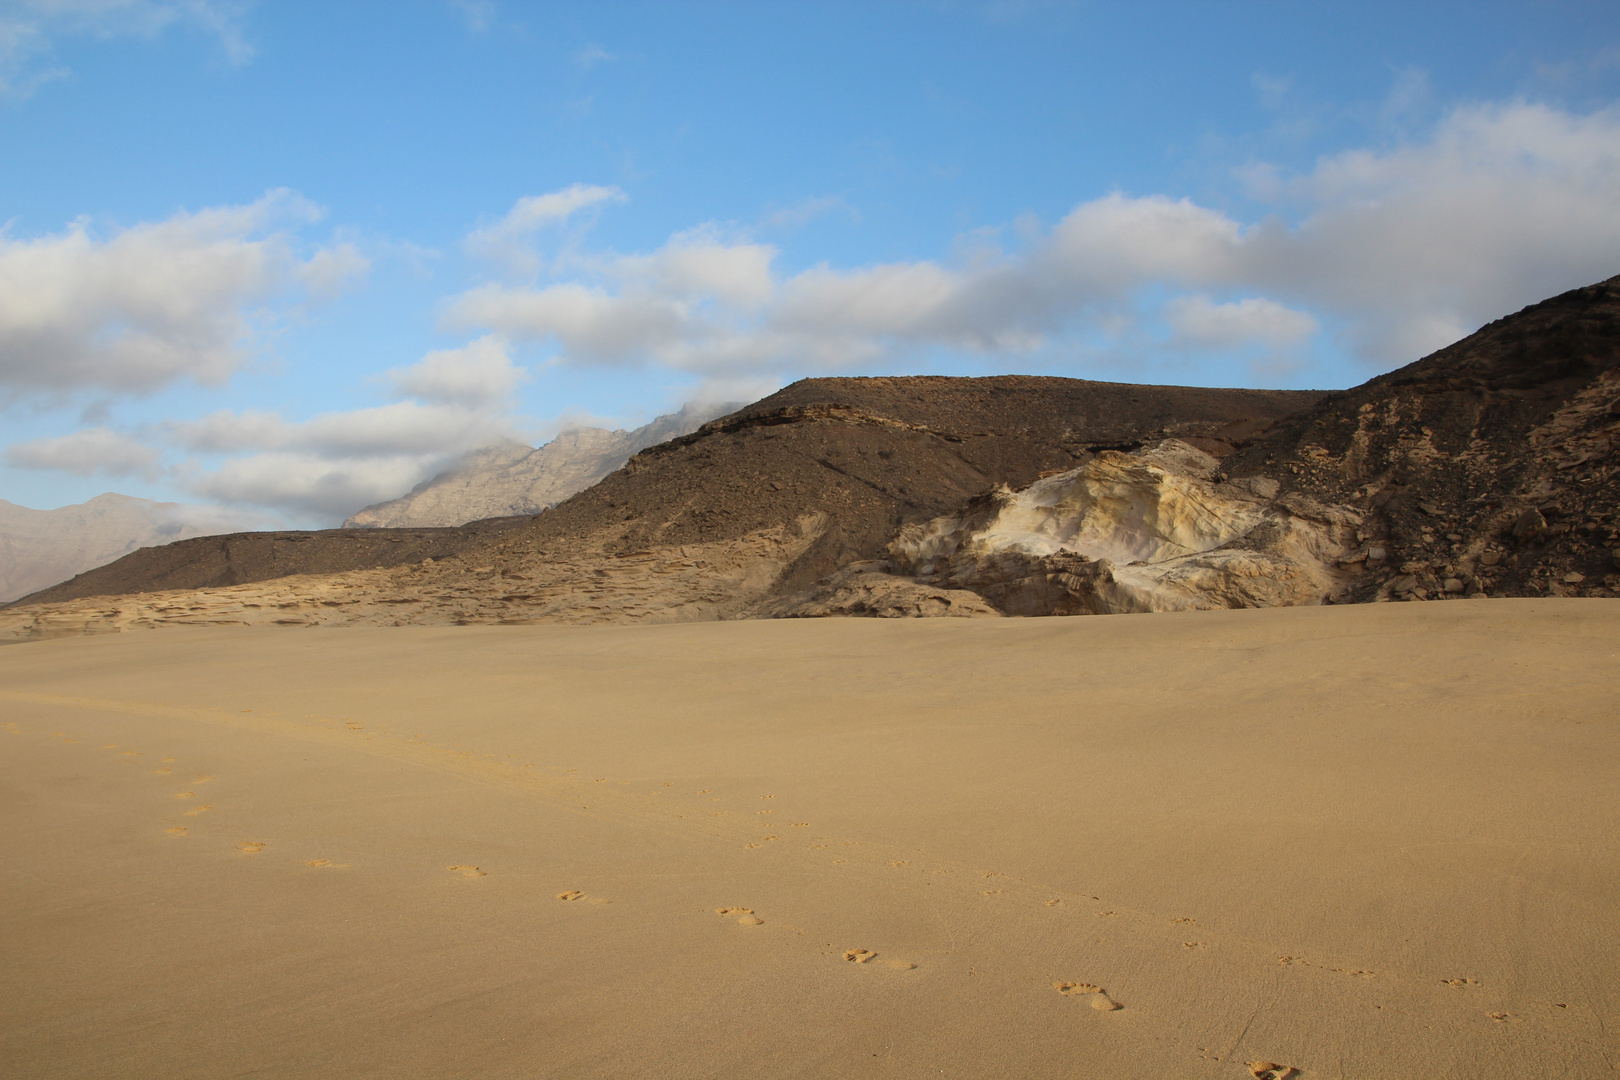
(186,795)
(746,846)
(901,862)
(799,825)
(733,911)
(170,760)
(764,811)
(202,779)
(750,920)
(1270,1070)
(352,726)
(1099,997)
(1459,983)
(1184,919)
(319,862)
(1193,945)
(165,769)
(250,847)
(1053,903)
(572,894)
(1501,1018)
(767,796)
(133,753)
(466,871)
(1076,988)
(859,956)
(195,810)
(178,830)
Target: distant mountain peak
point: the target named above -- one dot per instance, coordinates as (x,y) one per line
(508,478)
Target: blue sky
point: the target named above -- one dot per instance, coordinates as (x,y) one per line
(289,258)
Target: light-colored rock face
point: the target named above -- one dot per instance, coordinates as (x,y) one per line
(1144,531)
(509,478)
(39,548)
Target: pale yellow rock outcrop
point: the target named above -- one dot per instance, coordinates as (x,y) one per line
(1151,530)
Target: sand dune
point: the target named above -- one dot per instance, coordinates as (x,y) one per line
(1368,842)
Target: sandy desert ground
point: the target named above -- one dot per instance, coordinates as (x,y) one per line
(1365,842)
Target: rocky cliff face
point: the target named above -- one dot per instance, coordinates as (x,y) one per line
(1487,468)
(1151,530)
(509,478)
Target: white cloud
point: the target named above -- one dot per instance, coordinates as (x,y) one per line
(476,376)
(308,484)
(1402,250)
(587,321)
(506,241)
(402,428)
(85,453)
(333,270)
(332,464)
(153,303)
(27,28)
(702,263)
(1199,321)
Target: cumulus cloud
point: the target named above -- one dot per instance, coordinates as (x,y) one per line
(333,270)
(153,303)
(28,27)
(308,485)
(1402,250)
(88,452)
(476,376)
(506,241)
(332,464)
(402,428)
(1198,321)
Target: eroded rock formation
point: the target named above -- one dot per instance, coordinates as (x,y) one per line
(1151,530)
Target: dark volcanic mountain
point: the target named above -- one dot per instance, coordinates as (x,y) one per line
(1486,468)
(861,456)
(1489,463)
(875,454)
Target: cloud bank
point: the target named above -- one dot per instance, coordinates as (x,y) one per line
(1379,254)
(154,303)
(1400,250)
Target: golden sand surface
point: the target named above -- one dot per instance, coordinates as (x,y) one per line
(1361,842)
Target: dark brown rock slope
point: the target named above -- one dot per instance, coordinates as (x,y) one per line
(208,562)
(1489,464)
(861,456)
(878,453)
